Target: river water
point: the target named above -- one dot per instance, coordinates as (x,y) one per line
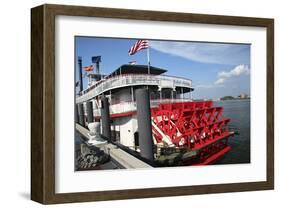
(239,113)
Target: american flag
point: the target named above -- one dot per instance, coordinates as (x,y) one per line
(139,45)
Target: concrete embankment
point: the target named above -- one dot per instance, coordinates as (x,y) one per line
(118,156)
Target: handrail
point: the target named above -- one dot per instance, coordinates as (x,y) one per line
(122,75)
(130,106)
(130,80)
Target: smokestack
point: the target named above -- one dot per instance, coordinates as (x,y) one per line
(80,73)
(98,67)
(96,60)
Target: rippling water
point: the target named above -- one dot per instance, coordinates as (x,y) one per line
(239,113)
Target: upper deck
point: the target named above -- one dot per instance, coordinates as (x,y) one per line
(127,78)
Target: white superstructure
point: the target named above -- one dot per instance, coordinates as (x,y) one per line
(120,86)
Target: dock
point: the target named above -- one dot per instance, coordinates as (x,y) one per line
(120,157)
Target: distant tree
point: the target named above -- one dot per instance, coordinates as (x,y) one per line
(227,98)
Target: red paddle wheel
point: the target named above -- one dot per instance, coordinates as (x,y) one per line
(196,126)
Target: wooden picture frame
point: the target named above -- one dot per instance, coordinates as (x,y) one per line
(43,103)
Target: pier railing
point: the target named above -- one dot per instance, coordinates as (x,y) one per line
(162,81)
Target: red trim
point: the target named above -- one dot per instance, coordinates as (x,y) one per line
(123,114)
(213,158)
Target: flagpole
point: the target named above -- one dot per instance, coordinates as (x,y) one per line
(148,61)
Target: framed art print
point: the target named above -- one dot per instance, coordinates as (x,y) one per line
(135,104)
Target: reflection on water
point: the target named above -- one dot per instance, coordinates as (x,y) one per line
(239,113)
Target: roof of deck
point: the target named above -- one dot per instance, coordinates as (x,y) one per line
(137,69)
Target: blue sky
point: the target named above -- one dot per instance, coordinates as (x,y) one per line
(216,69)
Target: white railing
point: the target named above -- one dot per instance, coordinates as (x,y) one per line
(131,80)
(132,106)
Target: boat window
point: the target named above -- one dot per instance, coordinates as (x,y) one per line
(166,93)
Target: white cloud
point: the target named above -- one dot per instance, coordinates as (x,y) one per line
(203,86)
(232,54)
(226,75)
(235,72)
(220,81)
(233,82)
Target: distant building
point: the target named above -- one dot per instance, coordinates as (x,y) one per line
(243,96)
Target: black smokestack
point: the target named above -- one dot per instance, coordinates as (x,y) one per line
(80,73)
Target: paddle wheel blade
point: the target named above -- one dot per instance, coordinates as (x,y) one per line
(198,126)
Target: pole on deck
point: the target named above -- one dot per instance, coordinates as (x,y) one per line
(76,114)
(90,116)
(144,124)
(105,118)
(148,61)
(81,114)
